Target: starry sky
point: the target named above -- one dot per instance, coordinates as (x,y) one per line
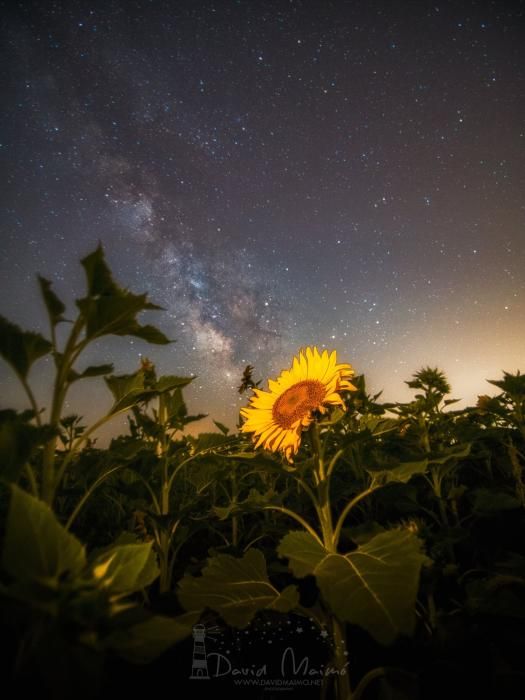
(274,174)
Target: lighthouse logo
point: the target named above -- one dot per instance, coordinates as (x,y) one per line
(199,664)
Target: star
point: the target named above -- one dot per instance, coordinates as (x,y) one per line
(337,187)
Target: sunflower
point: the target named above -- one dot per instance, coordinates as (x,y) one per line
(278,416)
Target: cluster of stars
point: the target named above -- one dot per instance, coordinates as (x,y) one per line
(275,177)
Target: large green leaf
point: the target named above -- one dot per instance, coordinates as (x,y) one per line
(21,348)
(374,586)
(303,551)
(55,307)
(236,588)
(126,568)
(37,547)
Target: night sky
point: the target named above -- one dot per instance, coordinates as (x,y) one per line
(274,174)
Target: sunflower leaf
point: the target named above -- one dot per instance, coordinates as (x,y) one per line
(219,589)
(206,441)
(37,547)
(303,551)
(255,501)
(55,307)
(378,425)
(224,429)
(110,310)
(92,371)
(21,348)
(169,382)
(374,586)
(128,390)
(402,472)
(126,568)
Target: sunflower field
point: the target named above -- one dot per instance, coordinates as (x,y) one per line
(333,546)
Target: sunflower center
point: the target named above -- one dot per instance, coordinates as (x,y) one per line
(297,402)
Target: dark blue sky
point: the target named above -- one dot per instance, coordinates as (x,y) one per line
(275,174)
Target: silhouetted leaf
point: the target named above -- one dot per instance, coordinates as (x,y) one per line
(115,315)
(128,390)
(55,307)
(149,333)
(224,430)
(18,440)
(21,348)
(109,309)
(430,380)
(92,371)
(511,384)
(98,275)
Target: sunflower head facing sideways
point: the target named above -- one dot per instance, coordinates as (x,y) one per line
(277,417)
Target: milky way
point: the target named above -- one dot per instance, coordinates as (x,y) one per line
(274,174)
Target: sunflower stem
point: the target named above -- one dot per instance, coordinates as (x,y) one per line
(322,483)
(343,690)
(324,511)
(318,450)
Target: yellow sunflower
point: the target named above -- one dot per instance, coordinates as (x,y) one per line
(278,416)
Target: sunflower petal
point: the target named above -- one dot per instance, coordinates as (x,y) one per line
(277,417)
